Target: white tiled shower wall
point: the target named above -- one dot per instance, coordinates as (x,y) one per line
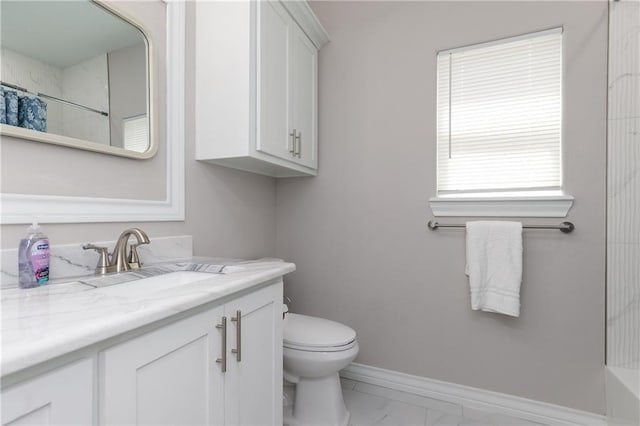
(623,192)
(85,83)
(36,76)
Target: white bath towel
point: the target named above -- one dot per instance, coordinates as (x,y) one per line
(494,266)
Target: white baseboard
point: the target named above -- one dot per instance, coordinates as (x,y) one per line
(473,398)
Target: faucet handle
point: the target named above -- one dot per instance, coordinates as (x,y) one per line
(103,260)
(134,259)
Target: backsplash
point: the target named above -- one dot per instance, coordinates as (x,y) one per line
(70,260)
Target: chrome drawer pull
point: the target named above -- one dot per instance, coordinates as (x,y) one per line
(223,360)
(238,320)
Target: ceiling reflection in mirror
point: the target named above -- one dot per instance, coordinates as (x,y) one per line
(76,70)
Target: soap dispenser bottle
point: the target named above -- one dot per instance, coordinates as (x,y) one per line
(33,258)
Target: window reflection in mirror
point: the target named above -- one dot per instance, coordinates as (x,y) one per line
(76,70)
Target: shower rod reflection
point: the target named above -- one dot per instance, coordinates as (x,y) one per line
(565,227)
(44,95)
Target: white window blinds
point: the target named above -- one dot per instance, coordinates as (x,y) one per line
(499,115)
(136,133)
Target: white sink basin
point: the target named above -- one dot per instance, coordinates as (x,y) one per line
(144,286)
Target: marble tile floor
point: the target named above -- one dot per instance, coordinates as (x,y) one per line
(376,405)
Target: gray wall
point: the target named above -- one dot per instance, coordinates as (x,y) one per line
(229,213)
(127,82)
(358,233)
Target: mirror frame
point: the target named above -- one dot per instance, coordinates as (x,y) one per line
(22,208)
(51,138)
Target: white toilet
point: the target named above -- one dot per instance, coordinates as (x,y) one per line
(315,349)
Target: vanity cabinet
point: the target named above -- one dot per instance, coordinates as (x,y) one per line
(167,376)
(220,366)
(256,86)
(253,382)
(63,396)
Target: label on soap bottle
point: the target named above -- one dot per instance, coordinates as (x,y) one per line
(39,258)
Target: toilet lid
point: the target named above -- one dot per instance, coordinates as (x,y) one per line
(303,330)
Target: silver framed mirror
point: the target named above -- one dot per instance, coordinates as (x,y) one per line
(79,75)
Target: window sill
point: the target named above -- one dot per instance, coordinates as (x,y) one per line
(521,206)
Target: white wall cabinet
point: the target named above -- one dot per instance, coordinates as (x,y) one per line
(304,99)
(221,366)
(64,396)
(256,86)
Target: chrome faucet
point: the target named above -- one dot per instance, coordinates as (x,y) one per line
(119,257)
(119,261)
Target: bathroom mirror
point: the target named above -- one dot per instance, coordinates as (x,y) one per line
(165,26)
(75,73)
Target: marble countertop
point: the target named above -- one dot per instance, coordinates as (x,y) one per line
(42,323)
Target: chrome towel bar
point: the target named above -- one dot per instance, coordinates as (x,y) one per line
(564,227)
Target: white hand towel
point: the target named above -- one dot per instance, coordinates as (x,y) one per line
(494,266)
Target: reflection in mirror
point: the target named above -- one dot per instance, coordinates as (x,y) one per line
(75,71)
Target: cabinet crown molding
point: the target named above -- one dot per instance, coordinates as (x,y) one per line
(302,13)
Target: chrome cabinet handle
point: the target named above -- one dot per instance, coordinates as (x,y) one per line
(223,360)
(238,320)
(292,143)
(297,145)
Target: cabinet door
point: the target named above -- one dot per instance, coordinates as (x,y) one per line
(63,396)
(254,385)
(304,101)
(167,376)
(273,112)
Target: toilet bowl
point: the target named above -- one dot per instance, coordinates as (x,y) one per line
(315,350)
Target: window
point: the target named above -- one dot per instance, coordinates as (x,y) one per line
(136,133)
(499,117)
